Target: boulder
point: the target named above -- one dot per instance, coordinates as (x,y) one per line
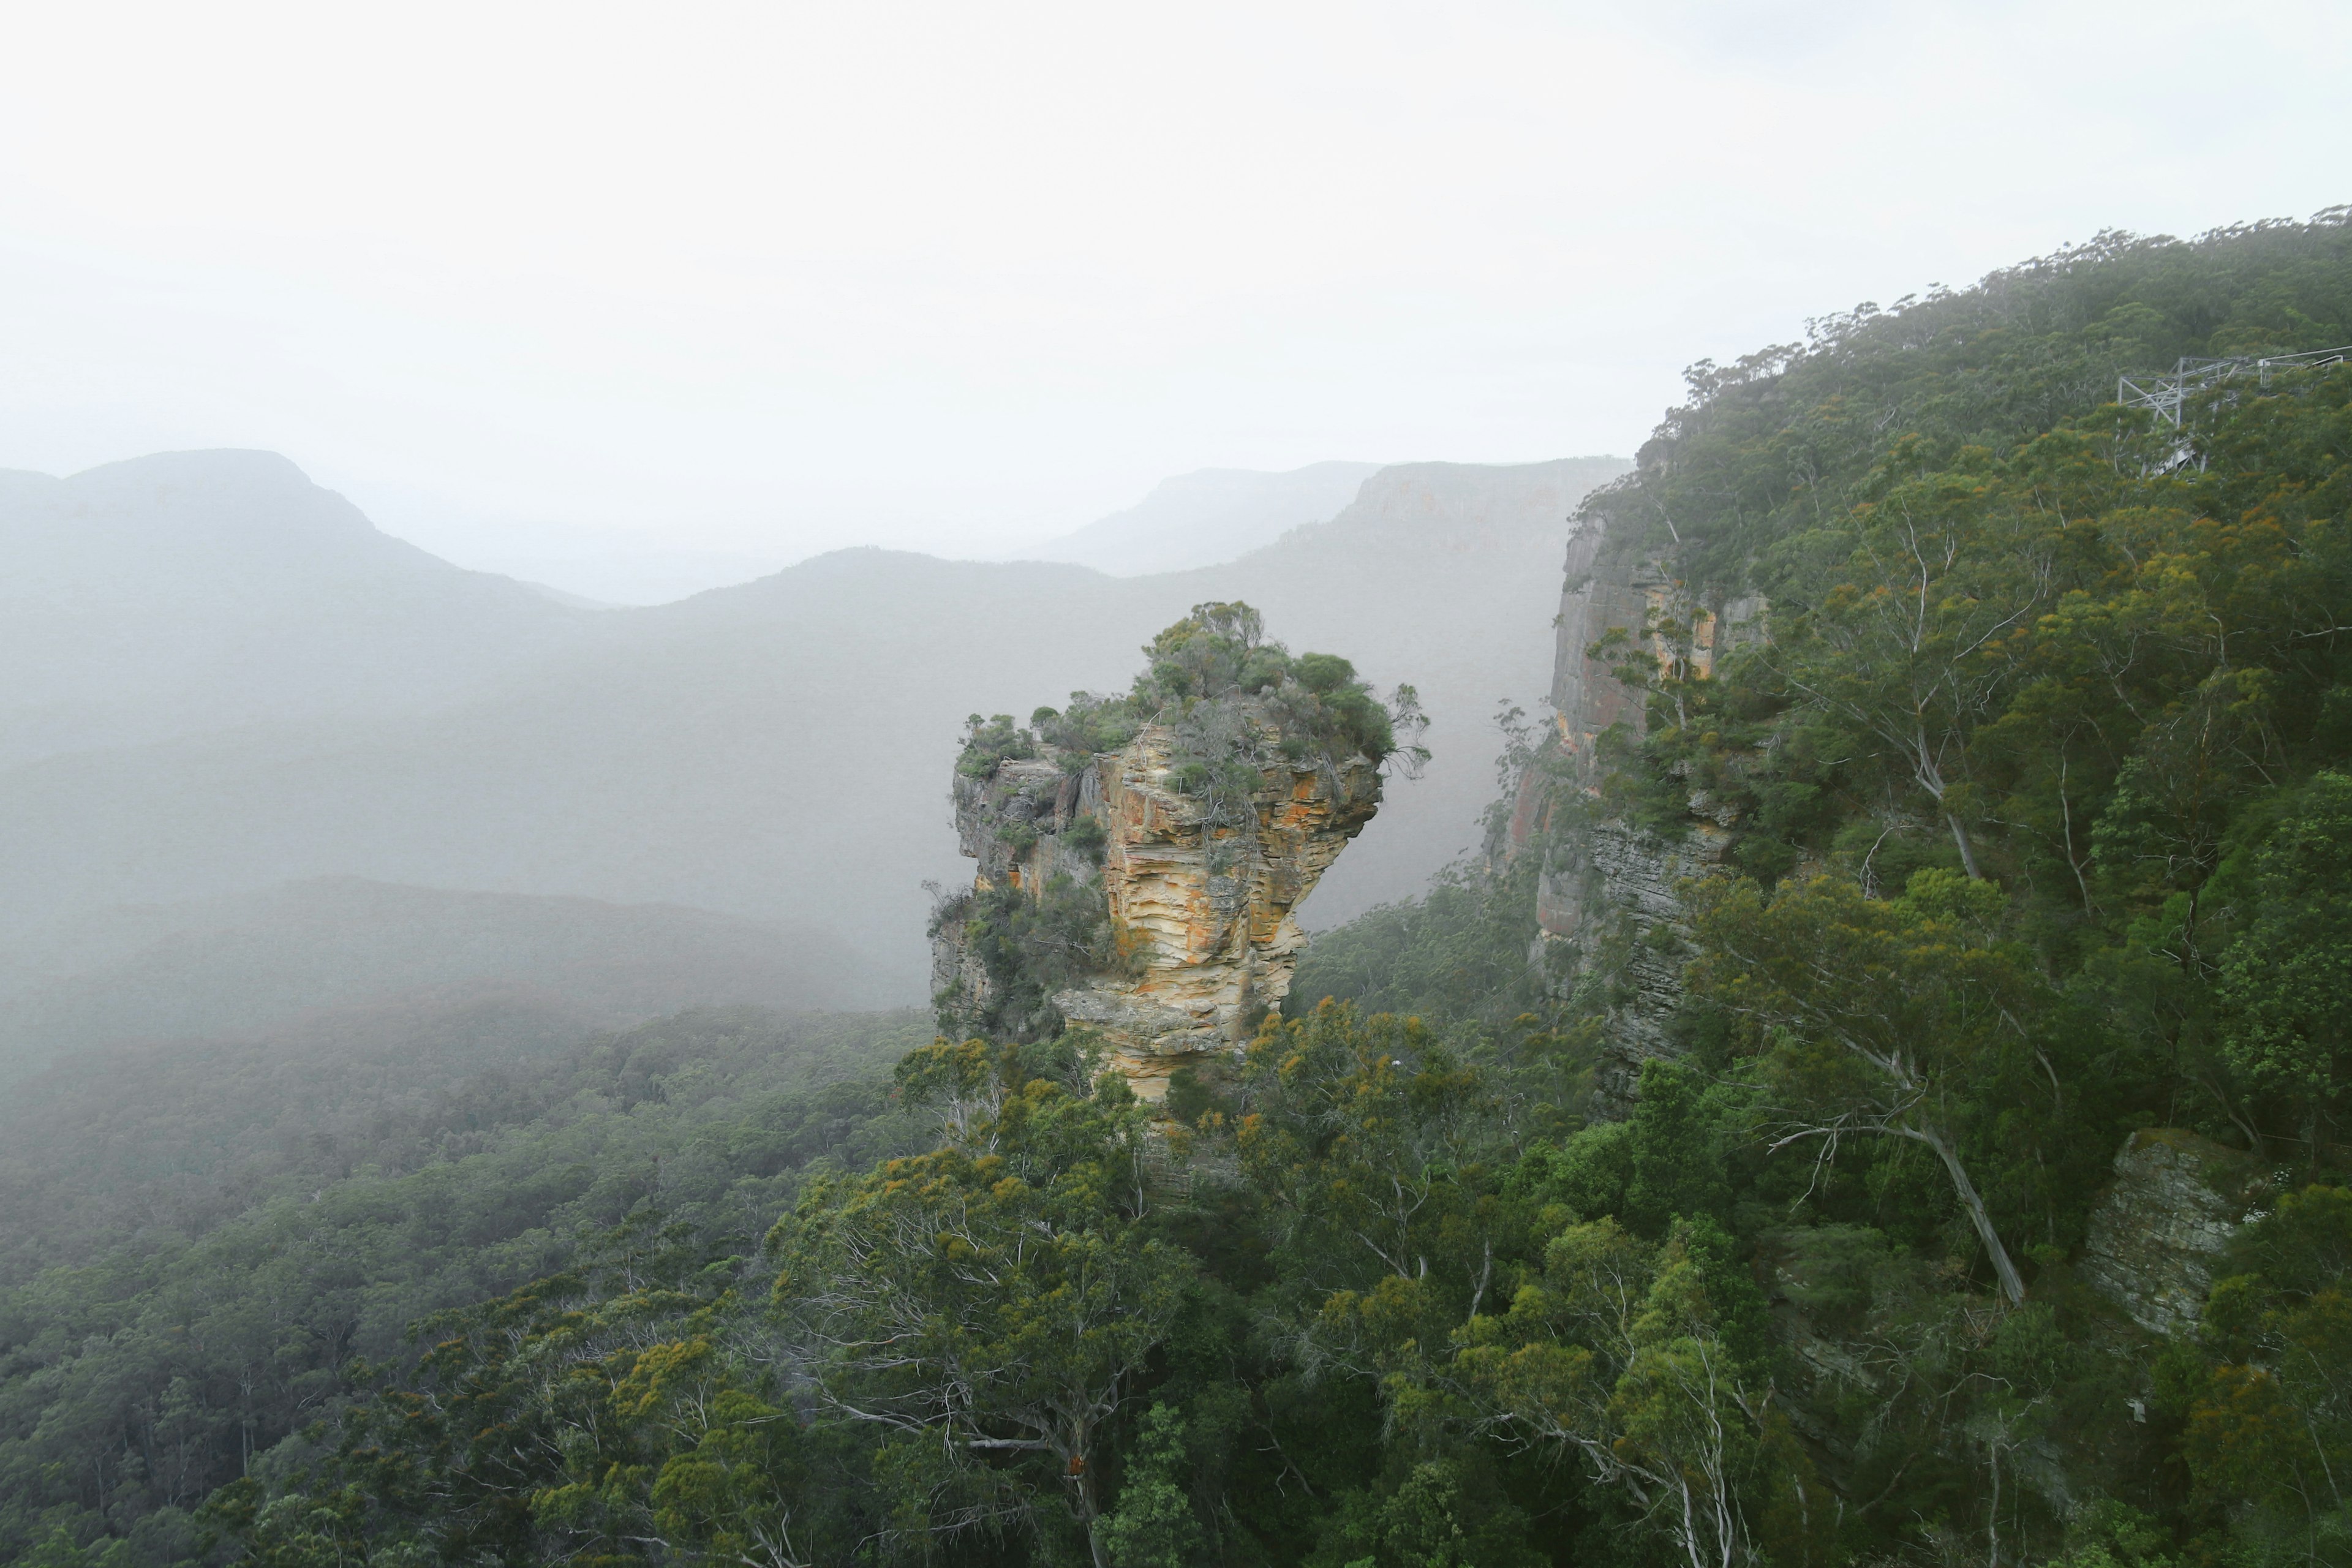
(2160,1229)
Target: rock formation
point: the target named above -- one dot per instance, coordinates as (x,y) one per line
(1200,896)
(1606,904)
(2157,1232)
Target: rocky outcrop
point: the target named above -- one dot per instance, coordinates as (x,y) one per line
(2157,1232)
(1609,904)
(1200,896)
(1647,603)
(1606,904)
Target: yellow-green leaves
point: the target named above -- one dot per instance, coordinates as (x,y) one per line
(985,1307)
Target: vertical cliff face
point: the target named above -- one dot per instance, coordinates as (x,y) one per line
(1606,904)
(1197,890)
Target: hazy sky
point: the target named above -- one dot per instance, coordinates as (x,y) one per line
(738,283)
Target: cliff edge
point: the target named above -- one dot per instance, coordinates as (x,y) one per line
(1606,905)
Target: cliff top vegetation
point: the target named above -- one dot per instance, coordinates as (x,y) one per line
(1213,677)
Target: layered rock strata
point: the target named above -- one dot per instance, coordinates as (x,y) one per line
(1202,899)
(1606,898)
(2157,1232)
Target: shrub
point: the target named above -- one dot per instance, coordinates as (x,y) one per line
(989,741)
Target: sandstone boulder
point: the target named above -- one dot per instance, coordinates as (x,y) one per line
(2158,1231)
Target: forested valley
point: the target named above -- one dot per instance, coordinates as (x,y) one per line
(2018,828)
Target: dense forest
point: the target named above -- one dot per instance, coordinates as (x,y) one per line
(2038,796)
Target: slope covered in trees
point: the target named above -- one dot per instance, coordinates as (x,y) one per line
(203,1245)
(2037,800)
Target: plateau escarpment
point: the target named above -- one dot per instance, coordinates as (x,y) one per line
(1141,860)
(1953,864)
(1608,908)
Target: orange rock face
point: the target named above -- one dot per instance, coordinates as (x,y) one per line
(1202,898)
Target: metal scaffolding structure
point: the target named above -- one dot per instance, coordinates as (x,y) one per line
(2163,395)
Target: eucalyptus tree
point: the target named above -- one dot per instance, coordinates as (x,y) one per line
(986,1308)
(1875,1017)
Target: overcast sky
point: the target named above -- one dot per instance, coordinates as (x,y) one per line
(740,283)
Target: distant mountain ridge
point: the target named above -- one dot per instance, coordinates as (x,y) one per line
(1206,517)
(250,961)
(190,591)
(773,752)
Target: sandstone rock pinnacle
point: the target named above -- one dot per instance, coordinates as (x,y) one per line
(1148,892)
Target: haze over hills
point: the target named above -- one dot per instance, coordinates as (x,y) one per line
(190,591)
(1442,574)
(1207,516)
(777,753)
(252,962)
(1192,519)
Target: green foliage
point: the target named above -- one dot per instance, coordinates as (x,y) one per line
(2112,1535)
(2269,1423)
(2284,977)
(1458,954)
(1031,947)
(1436,1515)
(1090,724)
(982,1308)
(1153,1525)
(1776,440)
(140,1143)
(2036,782)
(210,1352)
(620,1412)
(1616,1354)
(1088,836)
(989,742)
(1875,1017)
(1197,673)
(2022,636)
(1677,1164)
(2041,794)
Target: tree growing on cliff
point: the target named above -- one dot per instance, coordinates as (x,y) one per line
(2269,1416)
(1376,1149)
(1873,1018)
(988,742)
(1199,668)
(1913,640)
(1640,1361)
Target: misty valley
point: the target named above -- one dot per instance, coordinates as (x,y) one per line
(1785,1002)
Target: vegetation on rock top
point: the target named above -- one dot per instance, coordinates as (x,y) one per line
(1216,680)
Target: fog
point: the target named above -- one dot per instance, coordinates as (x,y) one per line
(233,696)
(542,455)
(637,305)
(529,534)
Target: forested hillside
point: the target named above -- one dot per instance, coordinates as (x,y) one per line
(1880,1098)
(203,1246)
